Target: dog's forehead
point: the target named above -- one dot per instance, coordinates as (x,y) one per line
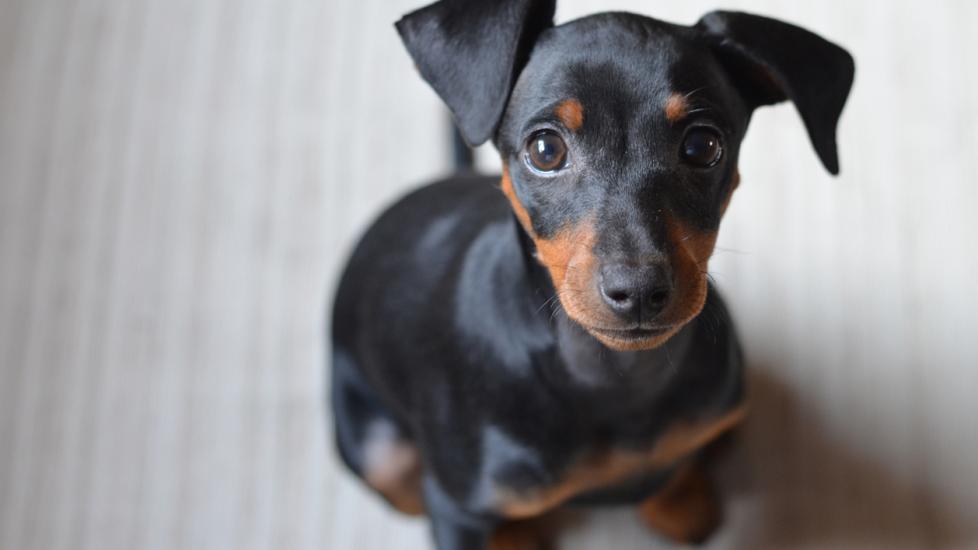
(636,60)
(618,34)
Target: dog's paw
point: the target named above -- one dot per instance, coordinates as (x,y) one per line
(686,510)
(530,534)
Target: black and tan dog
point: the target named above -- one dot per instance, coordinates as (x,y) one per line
(497,355)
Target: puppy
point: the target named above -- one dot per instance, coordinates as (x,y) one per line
(506,346)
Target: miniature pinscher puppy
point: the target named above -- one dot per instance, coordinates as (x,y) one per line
(502,347)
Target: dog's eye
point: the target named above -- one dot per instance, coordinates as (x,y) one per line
(546,151)
(702,147)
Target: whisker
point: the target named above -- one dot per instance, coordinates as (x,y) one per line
(710,313)
(670,364)
(696,91)
(548,302)
(730,250)
(712,275)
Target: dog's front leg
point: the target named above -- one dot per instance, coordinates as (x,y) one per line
(686,509)
(452,527)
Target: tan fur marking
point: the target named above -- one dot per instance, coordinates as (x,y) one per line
(512,536)
(683,439)
(568,254)
(605,468)
(571,113)
(568,250)
(393,467)
(569,257)
(521,214)
(676,107)
(536,533)
(686,509)
(692,250)
(691,253)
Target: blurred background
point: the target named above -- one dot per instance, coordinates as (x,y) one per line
(180,182)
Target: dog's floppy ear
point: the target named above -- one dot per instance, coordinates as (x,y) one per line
(771,61)
(471,52)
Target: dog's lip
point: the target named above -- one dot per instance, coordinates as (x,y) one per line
(633,333)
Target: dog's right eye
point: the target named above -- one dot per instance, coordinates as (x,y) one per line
(546,152)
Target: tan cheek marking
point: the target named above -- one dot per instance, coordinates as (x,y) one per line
(578,290)
(568,250)
(692,250)
(567,255)
(571,113)
(572,247)
(608,468)
(521,214)
(676,107)
(569,258)
(691,253)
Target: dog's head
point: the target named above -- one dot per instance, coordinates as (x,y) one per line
(619,136)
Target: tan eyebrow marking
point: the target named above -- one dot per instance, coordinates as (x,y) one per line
(677,107)
(571,113)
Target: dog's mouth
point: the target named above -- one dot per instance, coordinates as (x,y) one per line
(629,335)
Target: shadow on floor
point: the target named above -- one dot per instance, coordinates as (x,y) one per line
(801,488)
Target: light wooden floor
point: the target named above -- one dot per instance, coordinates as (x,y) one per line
(179,181)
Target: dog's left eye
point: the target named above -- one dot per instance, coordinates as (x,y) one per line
(702,147)
(546,151)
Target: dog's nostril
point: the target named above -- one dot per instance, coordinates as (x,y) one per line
(659,296)
(618,296)
(656,300)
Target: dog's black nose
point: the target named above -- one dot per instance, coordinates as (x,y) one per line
(636,293)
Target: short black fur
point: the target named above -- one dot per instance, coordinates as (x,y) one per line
(451,344)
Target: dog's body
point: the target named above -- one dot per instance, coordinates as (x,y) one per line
(499,354)
(504,400)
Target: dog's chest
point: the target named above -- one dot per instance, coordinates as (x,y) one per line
(515,480)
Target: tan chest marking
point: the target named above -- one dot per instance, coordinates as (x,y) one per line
(610,467)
